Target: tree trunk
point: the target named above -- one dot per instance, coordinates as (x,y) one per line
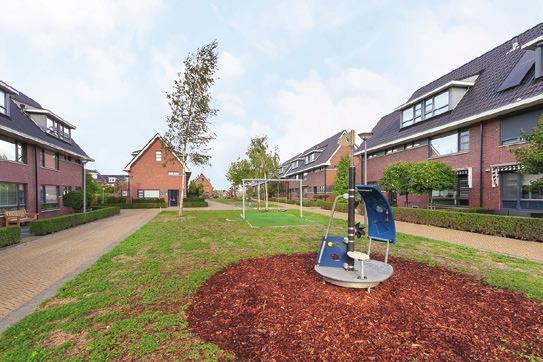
(406,199)
(182,192)
(258,195)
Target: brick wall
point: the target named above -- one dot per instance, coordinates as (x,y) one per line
(148,174)
(68,174)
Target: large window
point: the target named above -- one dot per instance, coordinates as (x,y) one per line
(49,196)
(512,128)
(450,143)
(49,159)
(11,150)
(148,194)
(457,197)
(3,106)
(59,130)
(12,196)
(311,157)
(428,108)
(522,191)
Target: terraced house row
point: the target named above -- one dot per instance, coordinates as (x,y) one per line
(470,118)
(39,159)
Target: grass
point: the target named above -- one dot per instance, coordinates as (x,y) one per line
(131,304)
(275,218)
(238,203)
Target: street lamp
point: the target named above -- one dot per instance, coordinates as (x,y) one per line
(366,136)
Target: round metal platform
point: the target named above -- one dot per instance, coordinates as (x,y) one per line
(375,272)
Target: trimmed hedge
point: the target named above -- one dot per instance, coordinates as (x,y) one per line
(477,210)
(54,224)
(150,200)
(509,226)
(137,205)
(193,199)
(10,235)
(195,204)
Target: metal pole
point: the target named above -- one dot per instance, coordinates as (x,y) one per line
(243,198)
(366,180)
(350,219)
(301,200)
(84,187)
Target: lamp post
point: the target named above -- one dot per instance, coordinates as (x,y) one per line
(84,187)
(365,136)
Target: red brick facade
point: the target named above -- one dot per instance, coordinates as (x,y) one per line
(33,176)
(148,176)
(319,182)
(493,153)
(206,184)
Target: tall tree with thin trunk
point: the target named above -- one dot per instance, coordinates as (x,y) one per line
(263,162)
(189,132)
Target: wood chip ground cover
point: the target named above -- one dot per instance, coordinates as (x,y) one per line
(277,308)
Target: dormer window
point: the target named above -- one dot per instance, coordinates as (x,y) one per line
(58,130)
(311,157)
(3,103)
(433,106)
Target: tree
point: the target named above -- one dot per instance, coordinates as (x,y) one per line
(74,199)
(431,175)
(189,133)
(531,156)
(342,176)
(263,162)
(195,189)
(237,171)
(397,177)
(92,188)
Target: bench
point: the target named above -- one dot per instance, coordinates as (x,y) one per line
(18,217)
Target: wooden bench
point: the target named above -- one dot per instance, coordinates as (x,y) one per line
(18,217)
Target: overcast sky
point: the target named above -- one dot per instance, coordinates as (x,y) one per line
(296,71)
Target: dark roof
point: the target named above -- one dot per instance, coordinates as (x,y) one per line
(492,69)
(20,125)
(325,148)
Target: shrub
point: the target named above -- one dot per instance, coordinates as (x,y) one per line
(193,199)
(195,189)
(150,200)
(115,200)
(10,235)
(54,224)
(195,204)
(135,205)
(73,199)
(509,226)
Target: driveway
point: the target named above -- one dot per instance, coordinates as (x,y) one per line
(33,271)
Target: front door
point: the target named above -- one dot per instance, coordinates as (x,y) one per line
(173,197)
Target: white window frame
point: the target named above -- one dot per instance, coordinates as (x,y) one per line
(3,103)
(421,111)
(158,155)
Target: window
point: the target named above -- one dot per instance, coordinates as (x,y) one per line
(412,145)
(433,106)
(450,143)
(111,180)
(512,128)
(67,189)
(49,197)
(311,157)
(58,130)
(304,176)
(173,173)
(148,194)
(158,155)
(12,196)
(49,159)
(11,150)
(456,197)
(522,191)
(3,106)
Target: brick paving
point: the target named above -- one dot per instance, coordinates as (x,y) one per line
(33,270)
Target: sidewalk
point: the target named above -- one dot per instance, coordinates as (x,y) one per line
(519,248)
(33,270)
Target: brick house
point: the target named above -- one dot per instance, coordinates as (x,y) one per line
(470,119)
(155,173)
(317,166)
(206,184)
(39,159)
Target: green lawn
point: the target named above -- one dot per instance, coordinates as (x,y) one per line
(131,304)
(238,203)
(276,218)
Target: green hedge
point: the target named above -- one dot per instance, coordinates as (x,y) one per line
(137,205)
(195,204)
(509,226)
(193,199)
(10,235)
(54,224)
(477,210)
(150,200)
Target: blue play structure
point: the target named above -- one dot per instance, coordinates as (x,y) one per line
(337,261)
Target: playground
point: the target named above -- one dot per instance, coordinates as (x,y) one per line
(276,218)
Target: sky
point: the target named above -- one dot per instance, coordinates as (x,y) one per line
(295,71)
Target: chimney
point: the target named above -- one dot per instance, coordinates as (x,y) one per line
(539,60)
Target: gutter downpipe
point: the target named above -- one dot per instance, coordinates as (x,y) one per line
(481,164)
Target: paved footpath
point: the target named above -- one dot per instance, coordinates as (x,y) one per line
(33,271)
(519,248)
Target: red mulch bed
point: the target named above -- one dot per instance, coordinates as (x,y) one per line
(277,308)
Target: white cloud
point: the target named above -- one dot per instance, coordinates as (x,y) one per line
(230,66)
(231,104)
(313,108)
